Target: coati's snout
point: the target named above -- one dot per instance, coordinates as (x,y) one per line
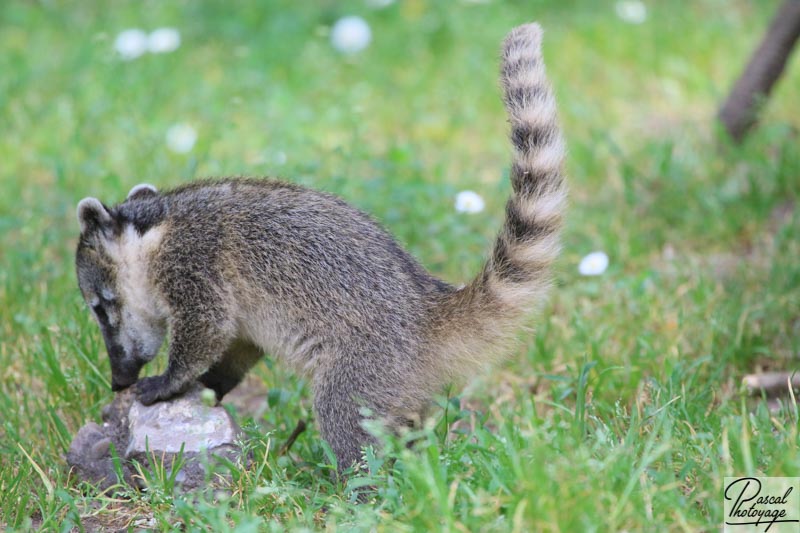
(124,369)
(126,353)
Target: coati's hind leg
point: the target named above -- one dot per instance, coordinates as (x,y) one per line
(339,420)
(342,391)
(229,371)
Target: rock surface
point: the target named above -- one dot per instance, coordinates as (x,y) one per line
(143,433)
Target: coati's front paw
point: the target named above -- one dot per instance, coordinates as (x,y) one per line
(153,389)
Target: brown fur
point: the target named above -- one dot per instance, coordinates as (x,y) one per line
(236,268)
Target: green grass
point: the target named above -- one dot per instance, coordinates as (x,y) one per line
(622,411)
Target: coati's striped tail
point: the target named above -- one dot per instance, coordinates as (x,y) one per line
(516,276)
(528,242)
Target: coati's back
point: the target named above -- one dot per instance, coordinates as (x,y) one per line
(234,268)
(296,262)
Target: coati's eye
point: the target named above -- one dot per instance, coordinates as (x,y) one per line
(100,312)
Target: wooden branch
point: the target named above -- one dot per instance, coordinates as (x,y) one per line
(740,111)
(772,383)
(301,427)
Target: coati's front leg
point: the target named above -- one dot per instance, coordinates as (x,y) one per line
(195,345)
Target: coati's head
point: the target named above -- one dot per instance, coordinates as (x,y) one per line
(111,262)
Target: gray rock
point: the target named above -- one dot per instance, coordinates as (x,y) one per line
(199,426)
(90,456)
(157,432)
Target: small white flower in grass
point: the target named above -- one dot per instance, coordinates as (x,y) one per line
(350,35)
(469,202)
(163,40)
(130,44)
(181,138)
(632,12)
(593,264)
(379,4)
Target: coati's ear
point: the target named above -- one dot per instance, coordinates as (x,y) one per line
(143,190)
(93,215)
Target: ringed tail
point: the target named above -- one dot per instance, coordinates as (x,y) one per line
(484,316)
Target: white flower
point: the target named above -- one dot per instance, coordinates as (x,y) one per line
(350,35)
(181,138)
(593,264)
(130,44)
(163,40)
(631,11)
(469,202)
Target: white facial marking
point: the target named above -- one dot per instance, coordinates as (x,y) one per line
(143,311)
(108,295)
(135,282)
(113,317)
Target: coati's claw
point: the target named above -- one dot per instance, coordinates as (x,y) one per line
(151,390)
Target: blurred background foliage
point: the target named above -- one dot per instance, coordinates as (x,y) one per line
(703,238)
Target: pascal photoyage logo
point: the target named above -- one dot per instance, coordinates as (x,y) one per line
(762,504)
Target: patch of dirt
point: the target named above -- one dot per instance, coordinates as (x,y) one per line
(249,398)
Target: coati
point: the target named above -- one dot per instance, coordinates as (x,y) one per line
(232,269)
